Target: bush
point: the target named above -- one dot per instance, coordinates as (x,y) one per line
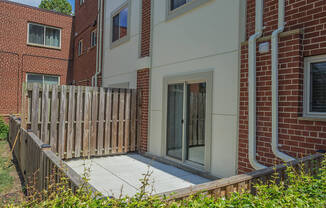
(4,129)
(299,190)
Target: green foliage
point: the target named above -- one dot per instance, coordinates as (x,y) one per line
(62,6)
(299,190)
(4,129)
(6,180)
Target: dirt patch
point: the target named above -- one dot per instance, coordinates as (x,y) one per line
(10,183)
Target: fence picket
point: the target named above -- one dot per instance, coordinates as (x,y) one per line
(87,117)
(45,115)
(108,118)
(71,119)
(94,123)
(79,111)
(62,121)
(115,120)
(54,119)
(121,119)
(127,121)
(35,107)
(101,122)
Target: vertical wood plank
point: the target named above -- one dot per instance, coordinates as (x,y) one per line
(87,117)
(115,120)
(35,108)
(108,118)
(133,120)
(54,119)
(24,106)
(127,121)
(94,122)
(71,119)
(45,115)
(100,140)
(79,111)
(121,119)
(62,121)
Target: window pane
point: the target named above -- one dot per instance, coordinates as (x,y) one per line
(52,37)
(123,22)
(115,28)
(36,34)
(177,3)
(35,78)
(51,80)
(318,87)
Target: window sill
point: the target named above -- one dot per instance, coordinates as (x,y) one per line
(311,118)
(42,46)
(183,9)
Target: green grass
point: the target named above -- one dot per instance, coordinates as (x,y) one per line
(6,180)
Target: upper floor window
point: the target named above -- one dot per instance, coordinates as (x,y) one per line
(315,87)
(80,47)
(42,35)
(93,38)
(43,79)
(81,2)
(120,27)
(178,7)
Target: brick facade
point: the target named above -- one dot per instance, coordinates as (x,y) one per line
(305,35)
(146,28)
(17,58)
(143,87)
(85,23)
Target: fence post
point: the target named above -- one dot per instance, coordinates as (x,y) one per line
(43,168)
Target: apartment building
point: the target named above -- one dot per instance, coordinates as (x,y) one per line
(35,46)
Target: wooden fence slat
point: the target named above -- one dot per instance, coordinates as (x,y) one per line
(93,139)
(121,119)
(79,111)
(62,120)
(108,118)
(87,118)
(45,115)
(35,108)
(101,123)
(115,120)
(133,120)
(54,119)
(127,121)
(71,119)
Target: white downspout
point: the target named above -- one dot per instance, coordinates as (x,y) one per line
(276,151)
(99,43)
(252,85)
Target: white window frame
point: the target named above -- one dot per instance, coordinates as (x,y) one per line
(93,34)
(124,39)
(307,85)
(80,47)
(189,5)
(50,75)
(43,45)
(190,78)
(81,2)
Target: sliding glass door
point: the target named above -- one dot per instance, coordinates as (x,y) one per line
(186,110)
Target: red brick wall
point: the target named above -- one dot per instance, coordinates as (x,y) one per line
(143,87)
(85,23)
(306,29)
(17,58)
(146,28)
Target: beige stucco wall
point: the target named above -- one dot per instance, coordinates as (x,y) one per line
(120,63)
(203,39)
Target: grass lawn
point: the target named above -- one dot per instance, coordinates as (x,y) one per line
(10,185)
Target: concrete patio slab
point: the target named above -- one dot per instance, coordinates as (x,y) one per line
(121,175)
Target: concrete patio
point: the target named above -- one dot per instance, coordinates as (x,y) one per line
(115,175)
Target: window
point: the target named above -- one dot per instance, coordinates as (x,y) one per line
(120,24)
(81,2)
(178,7)
(80,47)
(43,79)
(315,87)
(93,38)
(42,35)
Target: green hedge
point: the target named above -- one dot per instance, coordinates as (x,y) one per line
(299,190)
(4,129)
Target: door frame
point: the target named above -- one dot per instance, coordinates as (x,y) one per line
(190,78)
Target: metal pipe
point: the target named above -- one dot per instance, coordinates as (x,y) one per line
(275,149)
(252,86)
(98,43)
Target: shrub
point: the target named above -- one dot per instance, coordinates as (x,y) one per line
(299,190)
(4,129)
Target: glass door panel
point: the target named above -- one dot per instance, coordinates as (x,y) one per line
(175,120)
(195,129)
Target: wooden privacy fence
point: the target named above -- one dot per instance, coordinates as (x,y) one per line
(82,121)
(36,160)
(245,182)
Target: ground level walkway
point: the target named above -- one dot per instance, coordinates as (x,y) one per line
(115,175)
